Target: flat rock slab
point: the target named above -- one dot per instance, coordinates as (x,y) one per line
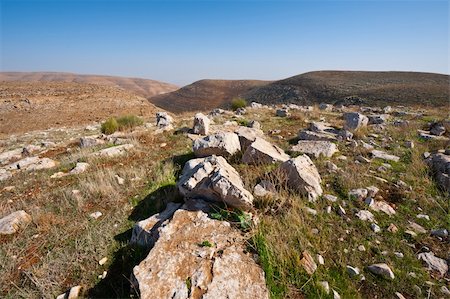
(198,257)
(316,148)
(382,270)
(263,152)
(212,178)
(377,154)
(433,262)
(114,151)
(13,222)
(220,144)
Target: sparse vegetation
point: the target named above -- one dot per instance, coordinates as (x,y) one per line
(110,126)
(127,122)
(237,103)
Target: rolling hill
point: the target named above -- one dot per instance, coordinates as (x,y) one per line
(205,95)
(352,87)
(143,87)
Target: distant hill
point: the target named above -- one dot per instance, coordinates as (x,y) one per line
(205,94)
(28,106)
(143,87)
(366,88)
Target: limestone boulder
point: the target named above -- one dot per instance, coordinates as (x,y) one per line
(302,176)
(90,141)
(114,151)
(212,178)
(377,154)
(434,263)
(198,257)
(263,152)
(440,165)
(13,222)
(221,144)
(355,121)
(316,148)
(247,136)
(164,121)
(201,124)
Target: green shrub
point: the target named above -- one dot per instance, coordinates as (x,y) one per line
(129,122)
(238,103)
(110,126)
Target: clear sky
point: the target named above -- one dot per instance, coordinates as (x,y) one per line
(184,41)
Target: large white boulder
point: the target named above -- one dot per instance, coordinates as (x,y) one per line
(302,176)
(214,179)
(221,144)
(263,152)
(201,124)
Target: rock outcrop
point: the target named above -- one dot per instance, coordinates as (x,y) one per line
(263,152)
(302,176)
(201,124)
(355,121)
(247,136)
(316,148)
(212,178)
(164,121)
(198,257)
(440,164)
(221,144)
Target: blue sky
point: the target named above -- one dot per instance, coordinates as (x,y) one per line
(184,41)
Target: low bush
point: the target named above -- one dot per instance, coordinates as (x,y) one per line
(129,122)
(238,103)
(110,126)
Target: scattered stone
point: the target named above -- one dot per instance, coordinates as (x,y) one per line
(409,144)
(392,228)
(437,129)
(372,191)
(316,148)
(341,211)
(365,215)
(330,197)
(445,290)
(440,164)
(241,111)
(375,228)
(362,159)
(320,260)
(302,176)
(247,136)
(399,295)
(264,188)
(416,228)
(164,121)
(361,248)
(254,125)
(336,295)
(103,261)
(358,194)
(328,209)
(119,180)
(381,269)
(96,215)
(378,119)
(222,270)
(443,233)
(90,141)
(283,112)
(433,262)
(115,151)
(380,205)
(14,222)
(80,167)
(422,216)
(376,154)
(331,166)
(201,124)
(256,105)
(355,121)
(214,179)
(311,211)
(399,255)
(221,144)
(352,271)
(308,263)
(263,152)
(326,107)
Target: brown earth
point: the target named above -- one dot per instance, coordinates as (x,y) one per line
(205,95)
(349,87)
(143,87)
(29,106)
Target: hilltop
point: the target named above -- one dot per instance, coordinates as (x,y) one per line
(351,87)
(339,87)
(205,95)
(29,106)
(143,87)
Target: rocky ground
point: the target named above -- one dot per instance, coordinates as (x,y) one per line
(279,202)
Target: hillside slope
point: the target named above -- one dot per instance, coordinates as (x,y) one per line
(368,88)
(29,106)
(205,94)
(143,87)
